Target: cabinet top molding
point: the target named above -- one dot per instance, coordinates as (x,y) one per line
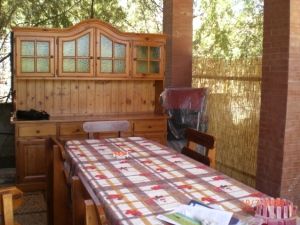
(84,25)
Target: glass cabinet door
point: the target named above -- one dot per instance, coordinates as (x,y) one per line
(76,55)
(112,57)
(148,60)
(35,56)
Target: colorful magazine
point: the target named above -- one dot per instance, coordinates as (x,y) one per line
(233,220)
(178,219)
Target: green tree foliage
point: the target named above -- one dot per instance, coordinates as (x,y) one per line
(55,13)
(228,28)
(225,28)
(144,15)
(63,13)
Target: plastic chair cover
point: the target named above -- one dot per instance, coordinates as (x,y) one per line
(186,107)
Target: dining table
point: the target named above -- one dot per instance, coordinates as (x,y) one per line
(136,179)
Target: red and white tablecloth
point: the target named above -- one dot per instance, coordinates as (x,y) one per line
(152,180)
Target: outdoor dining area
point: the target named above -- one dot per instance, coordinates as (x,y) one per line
(115,128)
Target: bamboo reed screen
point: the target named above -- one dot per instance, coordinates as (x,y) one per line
(233,112)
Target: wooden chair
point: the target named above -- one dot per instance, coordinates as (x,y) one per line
(207,141)
(58,191)
(84,209)
(11,199)
(105,126)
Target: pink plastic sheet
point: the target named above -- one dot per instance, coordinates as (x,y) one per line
(186,107)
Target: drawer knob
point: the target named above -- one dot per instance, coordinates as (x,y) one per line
(38,131)
(149,126)
(77,130)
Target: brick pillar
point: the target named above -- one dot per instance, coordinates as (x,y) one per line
(178,25)
(278,159)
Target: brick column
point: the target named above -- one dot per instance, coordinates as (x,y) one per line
(178,25)
(278,159)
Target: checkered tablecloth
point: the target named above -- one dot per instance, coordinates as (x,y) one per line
(152,180)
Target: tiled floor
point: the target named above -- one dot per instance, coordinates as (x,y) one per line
(33,211)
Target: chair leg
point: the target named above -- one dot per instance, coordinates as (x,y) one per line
(90,213)
(7,208)
(78,197)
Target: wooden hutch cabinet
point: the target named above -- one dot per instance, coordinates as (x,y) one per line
(87,72)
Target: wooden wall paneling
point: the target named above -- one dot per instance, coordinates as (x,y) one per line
(107,97)
(82,97)
(49,99)
(74,96)
(147,96)
(136,97)
(140,97)
(99,99)
(122,96)
(40,95)
(129,96)
(21,95)
(151,94)
(57,110)
(91,97)
(65,97)
(31,94)
(115,93)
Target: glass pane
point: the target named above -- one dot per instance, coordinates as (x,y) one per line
(27,65)
(42,65)
(83,65)
(154,52)
(106,66)
(142,52)
(119,66)
(154,67)
(69,65)
(83,45)
(27,48)
(119,50)
(69,48)
(106,47)
(142,67)
(42,48)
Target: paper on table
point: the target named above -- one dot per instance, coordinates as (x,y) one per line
(204,214)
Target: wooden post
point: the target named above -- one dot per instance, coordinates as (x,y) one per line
(178,25)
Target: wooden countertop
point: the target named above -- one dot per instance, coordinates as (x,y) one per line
(74,118)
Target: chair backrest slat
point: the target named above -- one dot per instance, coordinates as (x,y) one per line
(105,126)
(203,139)
(200,138)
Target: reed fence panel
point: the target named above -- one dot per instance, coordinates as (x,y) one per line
(233,111)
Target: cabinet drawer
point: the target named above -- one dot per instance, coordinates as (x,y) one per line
(158,137)
(150,125)
(36,130)
(71,129)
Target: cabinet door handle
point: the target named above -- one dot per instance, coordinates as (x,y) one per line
(38,131)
